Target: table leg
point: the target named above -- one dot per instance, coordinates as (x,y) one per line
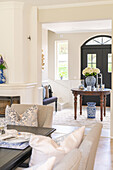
(80,105)
(104,105)
(101,107)
(75,106)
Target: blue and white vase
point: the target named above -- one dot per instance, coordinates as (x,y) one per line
(2,77)
(90,81)
(91,110)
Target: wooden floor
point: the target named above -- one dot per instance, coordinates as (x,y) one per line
(104,155)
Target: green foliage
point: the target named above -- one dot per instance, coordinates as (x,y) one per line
(92,74)
(2,66)
(63,70)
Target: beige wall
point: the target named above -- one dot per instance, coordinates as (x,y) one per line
(81,13)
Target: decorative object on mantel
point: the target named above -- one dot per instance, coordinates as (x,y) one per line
(2,67)
(43,59)
(89,73)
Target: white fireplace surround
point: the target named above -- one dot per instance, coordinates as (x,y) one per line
(29,93)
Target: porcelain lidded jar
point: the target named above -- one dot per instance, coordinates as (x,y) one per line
(91,110)
(90,81)
(2,77)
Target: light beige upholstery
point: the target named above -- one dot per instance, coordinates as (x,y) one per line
(82,158)
(44,115)
(88,148)
(70,161)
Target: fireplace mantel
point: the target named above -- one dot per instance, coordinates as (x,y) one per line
(30,93)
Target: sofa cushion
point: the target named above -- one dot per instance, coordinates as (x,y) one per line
(12,117)
(44,114)
(28,118)
(43,148)
(73,140)
(45,92)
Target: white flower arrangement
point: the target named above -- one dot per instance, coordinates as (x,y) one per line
(90,71)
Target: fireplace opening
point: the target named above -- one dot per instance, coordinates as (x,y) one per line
(7,100)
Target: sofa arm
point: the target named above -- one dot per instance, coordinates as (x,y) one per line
(45,116)
(49,120)
(70,161)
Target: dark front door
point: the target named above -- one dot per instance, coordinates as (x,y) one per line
(97,56)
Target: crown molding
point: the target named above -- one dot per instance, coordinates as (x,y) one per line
(82,31)
(76,4)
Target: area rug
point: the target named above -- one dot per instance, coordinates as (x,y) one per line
(66,117)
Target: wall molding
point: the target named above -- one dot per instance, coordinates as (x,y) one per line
(18,86)
(76,4)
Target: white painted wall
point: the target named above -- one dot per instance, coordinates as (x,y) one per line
(10,41)
(23,57)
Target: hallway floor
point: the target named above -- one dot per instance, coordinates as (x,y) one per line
(104,156)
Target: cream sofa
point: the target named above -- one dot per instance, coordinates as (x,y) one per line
(82,158)
(44,114)
(87,149)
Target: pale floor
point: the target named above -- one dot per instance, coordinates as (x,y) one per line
(104,155)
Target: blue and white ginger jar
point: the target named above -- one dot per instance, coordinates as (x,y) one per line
(91,110)
(2,77)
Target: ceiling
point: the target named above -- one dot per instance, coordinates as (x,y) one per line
(83,26)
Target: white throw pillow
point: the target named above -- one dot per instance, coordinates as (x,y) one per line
(73,140)
(28,118)
(44,147)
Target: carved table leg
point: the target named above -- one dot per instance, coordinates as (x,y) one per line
(75,105)
(104,105)
(101,107)
(80,105)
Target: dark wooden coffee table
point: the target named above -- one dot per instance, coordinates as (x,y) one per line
(12,158)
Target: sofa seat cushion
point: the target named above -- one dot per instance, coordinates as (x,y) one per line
(28,118)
